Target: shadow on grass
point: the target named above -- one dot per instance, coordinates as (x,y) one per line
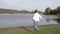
(26,29)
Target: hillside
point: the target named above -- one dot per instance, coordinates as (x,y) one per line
(16,11)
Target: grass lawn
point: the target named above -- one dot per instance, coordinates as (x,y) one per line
(43,30)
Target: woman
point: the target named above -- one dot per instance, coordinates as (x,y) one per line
(36,19)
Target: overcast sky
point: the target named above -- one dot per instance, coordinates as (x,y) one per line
(29,4)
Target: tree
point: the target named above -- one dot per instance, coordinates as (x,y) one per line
(58,10)
(47,10)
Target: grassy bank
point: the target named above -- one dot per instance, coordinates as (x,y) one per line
(46,29)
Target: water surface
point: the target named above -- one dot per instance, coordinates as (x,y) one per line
(19,20)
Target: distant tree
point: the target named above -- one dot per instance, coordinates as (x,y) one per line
(58,9)
(47,10)
(55,11)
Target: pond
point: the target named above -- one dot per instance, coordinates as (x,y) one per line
(19,20)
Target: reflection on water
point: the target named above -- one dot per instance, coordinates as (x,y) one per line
(19,20)
(58,19)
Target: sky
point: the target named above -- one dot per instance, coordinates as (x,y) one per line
(29,4)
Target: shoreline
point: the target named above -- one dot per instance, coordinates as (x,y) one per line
(32,26)
(25,29)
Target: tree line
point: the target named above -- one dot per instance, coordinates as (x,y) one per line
(56,11)
(48,11)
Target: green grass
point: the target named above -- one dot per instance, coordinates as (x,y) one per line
(47,30)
